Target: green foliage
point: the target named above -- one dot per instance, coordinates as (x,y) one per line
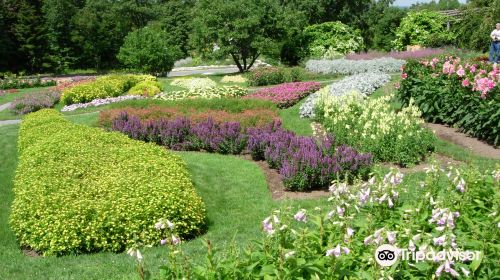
(371,126)
(106,86)
(113,190)
(243,29)
(149,50)
(146,88)
(442,98)
(475,24)
(275,75)
(424,28)
(384,29)
(440,5)
(332,39)
(339,241)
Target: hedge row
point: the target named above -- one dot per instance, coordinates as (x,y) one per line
(79,189)
(106,86)
(457,93)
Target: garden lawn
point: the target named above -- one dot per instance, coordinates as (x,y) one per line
(233,189)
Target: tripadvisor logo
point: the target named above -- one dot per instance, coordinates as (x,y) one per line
(387,255)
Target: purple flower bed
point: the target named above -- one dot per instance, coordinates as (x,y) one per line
(301,161)
(405,55)
(182,134)
(286,95)
(34,101)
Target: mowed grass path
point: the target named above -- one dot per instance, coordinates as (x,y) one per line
(234,190)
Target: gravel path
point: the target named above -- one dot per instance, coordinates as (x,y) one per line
(476,146)
(7,122)
(5,106)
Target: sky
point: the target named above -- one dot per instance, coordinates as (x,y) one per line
(405,3)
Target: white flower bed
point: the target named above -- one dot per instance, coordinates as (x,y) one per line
(194,83)
(365,83)
(349,67)
(99,102)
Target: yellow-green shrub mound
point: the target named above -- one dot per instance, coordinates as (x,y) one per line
(146,88)
(102,87)
(80,189)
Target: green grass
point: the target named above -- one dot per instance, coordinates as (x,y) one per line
(290,120)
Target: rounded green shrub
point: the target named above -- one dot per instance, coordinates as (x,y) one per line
(424,28)
(146,88)
(106,86)
(80,189)
(332,39)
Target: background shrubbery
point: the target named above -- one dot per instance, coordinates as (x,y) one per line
(332,40)
(79,189)
(274,75)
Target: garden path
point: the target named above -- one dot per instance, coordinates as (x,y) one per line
(7,122)
(451,134)
(5,106)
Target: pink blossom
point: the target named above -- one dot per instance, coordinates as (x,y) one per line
(472,69)
(404,76)
(460,72)
(465,83)
(301,216)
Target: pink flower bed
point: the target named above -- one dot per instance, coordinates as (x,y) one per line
(286,95)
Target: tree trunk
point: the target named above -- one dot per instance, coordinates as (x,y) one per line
(237,61)
(254,57)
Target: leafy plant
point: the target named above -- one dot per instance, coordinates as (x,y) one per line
(145,88)
(423,28)
(107,198)
(286,95)
(103,87)
(149,50)
(372,126)
(34,101)
(208,93)
(455,92)
(332,40)
(265,76)
(450,210)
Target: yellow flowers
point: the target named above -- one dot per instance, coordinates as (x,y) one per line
(371,125)
(79,189)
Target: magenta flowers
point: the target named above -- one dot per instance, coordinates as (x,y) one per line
(286,95)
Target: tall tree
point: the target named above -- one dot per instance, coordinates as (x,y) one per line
(30,34)
(243,29)
(57,15)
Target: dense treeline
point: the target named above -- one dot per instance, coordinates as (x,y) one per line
(56,35)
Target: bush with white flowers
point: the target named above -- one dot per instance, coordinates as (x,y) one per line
(194,83)
(349,67)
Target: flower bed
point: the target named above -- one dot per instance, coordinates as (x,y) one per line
(16,83)
(112,192)
(246,118)
(302,163)
(265,76)
(349,67)
(371,125)
(194,84)
(286,95)
(103,87)
(404,55)
(450,211)
(211,92)
(365,83)
(457,93)
(239,79)
(99,102)
(33,102)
